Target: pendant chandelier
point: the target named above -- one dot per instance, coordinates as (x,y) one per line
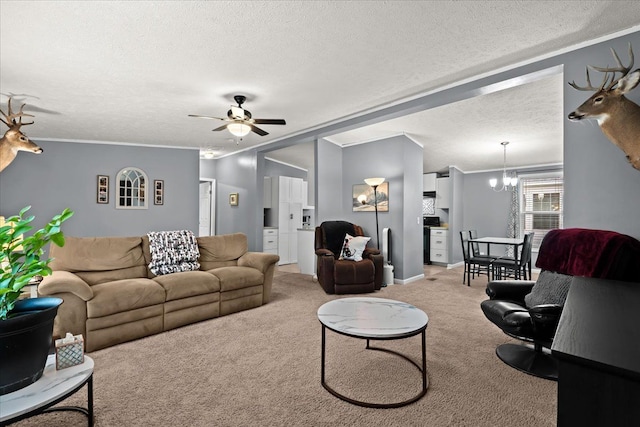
(509,180)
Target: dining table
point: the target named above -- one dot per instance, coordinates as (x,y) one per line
(504,241)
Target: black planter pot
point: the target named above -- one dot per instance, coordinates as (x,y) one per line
(25,340)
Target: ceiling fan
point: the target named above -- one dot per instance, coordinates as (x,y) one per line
(241,121)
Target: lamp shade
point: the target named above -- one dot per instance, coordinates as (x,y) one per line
(374,182)
(238,129)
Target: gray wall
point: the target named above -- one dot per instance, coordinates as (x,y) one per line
(484,210)
(238,174)
(329,182)
(602,190)
(399,161)
(272,168)
(65,174)
(456,214)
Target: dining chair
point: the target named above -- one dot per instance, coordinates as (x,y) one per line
(504,267)
(475,246)
(477,254)
(473,265)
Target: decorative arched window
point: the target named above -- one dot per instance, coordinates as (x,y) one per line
(132,189)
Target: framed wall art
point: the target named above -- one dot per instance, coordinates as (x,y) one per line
(233,199)
(158,192)
(363,198)
(102,191)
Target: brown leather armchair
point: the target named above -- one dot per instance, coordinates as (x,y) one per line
(338,276)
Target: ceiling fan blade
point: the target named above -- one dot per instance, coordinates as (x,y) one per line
(206,117)
(269,121)
(223,127)
(258,130)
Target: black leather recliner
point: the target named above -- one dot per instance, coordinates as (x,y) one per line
(530,311)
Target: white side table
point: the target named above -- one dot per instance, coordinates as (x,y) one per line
(53,387)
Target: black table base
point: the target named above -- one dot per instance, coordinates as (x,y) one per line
(88,411)
(422,369)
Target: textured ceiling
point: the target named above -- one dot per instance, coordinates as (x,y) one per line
(131,72)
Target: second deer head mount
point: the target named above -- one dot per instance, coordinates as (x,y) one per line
(618,117)
(14,140)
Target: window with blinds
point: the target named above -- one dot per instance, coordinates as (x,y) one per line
(541,205)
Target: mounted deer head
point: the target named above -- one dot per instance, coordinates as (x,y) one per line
(14,140)
(618,117)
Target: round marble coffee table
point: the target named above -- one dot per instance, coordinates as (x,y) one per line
(53,387)
(374,319)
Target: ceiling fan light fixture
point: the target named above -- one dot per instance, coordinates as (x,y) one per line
(238,129)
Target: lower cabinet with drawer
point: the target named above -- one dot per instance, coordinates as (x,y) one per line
(439,247)
(270,240)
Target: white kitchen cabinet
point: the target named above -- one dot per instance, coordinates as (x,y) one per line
(290,189)
(439,246)
(289,220)
(429,182)
(287,201)
(443,193)
(270,240)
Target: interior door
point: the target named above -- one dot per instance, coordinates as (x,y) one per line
(205,209)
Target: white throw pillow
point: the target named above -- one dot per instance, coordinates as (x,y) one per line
(353,247)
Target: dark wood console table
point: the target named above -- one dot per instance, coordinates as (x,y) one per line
(598,348)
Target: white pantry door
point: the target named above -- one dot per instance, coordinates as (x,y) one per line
(207,209)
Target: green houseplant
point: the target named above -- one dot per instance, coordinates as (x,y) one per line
(20,254)
(26,325)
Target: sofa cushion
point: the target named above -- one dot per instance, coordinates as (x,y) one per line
(97,253)
(188,284)
(173,251)
(124,295)
(100,259)
(221,251)
(232,278)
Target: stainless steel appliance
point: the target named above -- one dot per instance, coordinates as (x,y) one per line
(427,223)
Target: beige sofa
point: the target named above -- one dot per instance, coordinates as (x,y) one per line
(110,296)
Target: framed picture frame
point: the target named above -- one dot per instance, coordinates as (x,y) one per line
(363,198)
(102,190)
(158,192)
(233,199)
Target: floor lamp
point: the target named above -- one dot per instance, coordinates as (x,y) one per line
(375,182)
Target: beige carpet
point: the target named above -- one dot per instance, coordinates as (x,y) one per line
(261,367)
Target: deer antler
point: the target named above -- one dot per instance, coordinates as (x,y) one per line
(11,117)
(619,69)
(589,86)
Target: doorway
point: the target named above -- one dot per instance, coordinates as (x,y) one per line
(207,210)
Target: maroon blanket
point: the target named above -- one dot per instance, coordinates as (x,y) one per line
(590,253)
